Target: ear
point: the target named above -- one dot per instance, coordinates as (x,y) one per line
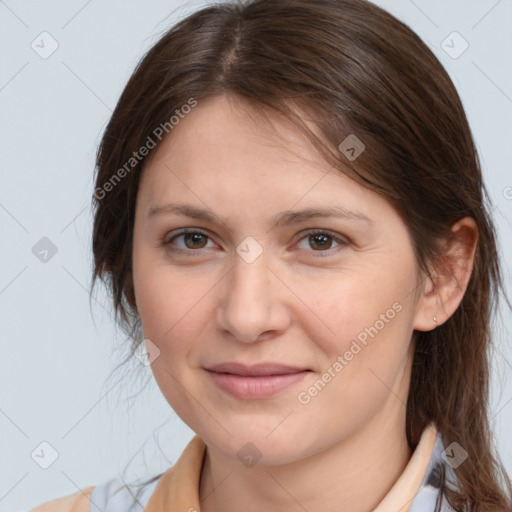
(443,290)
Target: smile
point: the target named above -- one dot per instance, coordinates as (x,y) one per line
(255,386)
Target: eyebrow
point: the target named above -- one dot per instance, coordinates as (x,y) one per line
(285,218)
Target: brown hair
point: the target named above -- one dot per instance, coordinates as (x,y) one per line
(350,68)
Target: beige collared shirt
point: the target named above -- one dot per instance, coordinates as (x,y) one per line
(178,488)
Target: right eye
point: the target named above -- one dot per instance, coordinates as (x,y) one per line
(193,239)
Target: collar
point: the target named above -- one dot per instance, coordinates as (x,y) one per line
(418,489)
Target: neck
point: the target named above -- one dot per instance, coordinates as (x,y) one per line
(353,475)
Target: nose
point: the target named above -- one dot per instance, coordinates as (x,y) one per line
(252,302)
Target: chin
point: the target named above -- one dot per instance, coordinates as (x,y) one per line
(269,445)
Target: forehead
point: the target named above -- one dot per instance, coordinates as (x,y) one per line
(224,127)
(225,153)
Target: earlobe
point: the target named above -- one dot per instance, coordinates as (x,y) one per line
(444,289)
(428,305)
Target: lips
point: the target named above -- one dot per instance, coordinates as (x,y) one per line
(258,381)
(262,369)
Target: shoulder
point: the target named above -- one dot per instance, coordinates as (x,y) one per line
(76,502)
(110,496)
(117,496)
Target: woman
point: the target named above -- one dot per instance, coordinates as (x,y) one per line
(289,210)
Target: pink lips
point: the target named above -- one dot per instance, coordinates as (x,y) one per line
(256,381)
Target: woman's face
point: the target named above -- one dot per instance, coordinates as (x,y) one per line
(242,288)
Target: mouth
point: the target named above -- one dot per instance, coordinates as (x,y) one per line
(256,370)
(255,381)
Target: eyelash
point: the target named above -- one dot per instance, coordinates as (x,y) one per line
(166,242)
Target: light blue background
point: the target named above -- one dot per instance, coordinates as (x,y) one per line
(55,357)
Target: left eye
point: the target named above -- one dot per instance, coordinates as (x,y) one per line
(321,241)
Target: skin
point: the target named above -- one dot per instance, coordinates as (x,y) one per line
(298,304)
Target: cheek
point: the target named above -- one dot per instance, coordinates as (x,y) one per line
(365,316)
(364,359)
(170,305)
(340,311)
